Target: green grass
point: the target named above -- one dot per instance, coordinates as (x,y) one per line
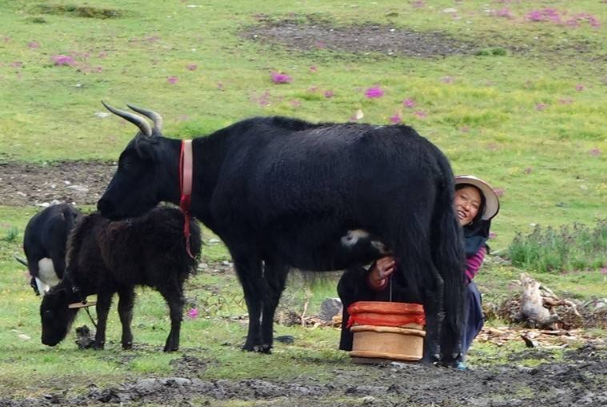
(527,114)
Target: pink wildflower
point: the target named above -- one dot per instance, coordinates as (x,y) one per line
(499,192)
(579,87)
(279,78)
(492,235)
(328,94)
(420,114)
(192,67)
(541,106)
(313,69)
(374,92)
(505,12)
(595,152)
(193,313)
(172,80)
(409,103)
(33,44)
(61,60)
(396,118)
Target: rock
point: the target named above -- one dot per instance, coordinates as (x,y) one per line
(329,308)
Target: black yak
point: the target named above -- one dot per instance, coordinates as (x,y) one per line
(107,257)
(44,244)
(283,193)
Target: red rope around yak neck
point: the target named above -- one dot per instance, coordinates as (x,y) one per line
(185,188)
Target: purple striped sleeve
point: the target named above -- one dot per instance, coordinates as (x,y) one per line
(473,264)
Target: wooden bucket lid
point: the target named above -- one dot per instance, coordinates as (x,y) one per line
(388,329)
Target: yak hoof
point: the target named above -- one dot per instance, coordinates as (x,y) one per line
(127,346)
(267,349)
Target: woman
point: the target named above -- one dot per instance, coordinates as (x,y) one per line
(475,204)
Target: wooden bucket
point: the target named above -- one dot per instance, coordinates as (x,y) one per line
(387,330)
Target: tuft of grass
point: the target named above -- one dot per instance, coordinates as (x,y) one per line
(569,248)
(11,235)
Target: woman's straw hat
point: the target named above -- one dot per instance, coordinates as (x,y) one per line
(492,202)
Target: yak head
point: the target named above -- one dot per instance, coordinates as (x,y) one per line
(56,315)
(144,169)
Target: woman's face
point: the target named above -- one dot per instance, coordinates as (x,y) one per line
(467,203)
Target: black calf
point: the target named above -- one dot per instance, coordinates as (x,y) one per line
(107,257)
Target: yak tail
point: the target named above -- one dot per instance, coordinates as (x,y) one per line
(449,258)
(21,260)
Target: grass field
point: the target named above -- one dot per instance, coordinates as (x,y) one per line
(523,107)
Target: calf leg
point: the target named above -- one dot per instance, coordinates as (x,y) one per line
(172,291)
(125,311)
(275,275)
(248,269)
(104,301)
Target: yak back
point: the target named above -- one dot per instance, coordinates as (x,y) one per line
(140,251)
(300,182)
(49,229)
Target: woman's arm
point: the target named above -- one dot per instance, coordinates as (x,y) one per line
(473,264)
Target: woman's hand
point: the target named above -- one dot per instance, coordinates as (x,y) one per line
(382,269)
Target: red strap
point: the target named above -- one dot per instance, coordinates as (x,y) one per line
(185,188)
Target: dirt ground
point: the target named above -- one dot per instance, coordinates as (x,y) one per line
(79,182)
(579,379)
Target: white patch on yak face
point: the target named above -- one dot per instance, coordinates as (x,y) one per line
(353,237)
(47,277)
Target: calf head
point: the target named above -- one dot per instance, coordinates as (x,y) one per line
(138,184)
(56,316)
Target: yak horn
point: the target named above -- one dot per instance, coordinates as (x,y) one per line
(155,117)
(138,121)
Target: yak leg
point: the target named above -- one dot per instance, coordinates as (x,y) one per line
(172,291)
(433,300)
(125,311)
(248,269)
(104,302)
(275,275)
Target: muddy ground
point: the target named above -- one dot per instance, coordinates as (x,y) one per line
(579,379)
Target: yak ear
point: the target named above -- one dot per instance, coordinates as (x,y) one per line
(145,147)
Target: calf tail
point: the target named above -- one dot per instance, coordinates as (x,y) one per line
(448,257)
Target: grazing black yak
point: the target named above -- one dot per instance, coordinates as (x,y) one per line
(284,193)
(44,244)
(107,257)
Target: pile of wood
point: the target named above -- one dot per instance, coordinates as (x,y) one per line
(536,306)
